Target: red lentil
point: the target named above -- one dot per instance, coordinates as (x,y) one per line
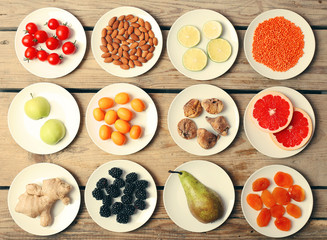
(278,43)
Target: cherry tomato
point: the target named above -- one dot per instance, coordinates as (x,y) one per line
(68,48)
(53,23)
(42,55)
(41,36)
(54,59)
(30,53)
(52,43)
(28,40)
(31,28)
(62,32)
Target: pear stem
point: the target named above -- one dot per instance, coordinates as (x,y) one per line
(31,95)
(170,171)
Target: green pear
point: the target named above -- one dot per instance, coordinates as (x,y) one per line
(37,108)
(204,203)
(52,131)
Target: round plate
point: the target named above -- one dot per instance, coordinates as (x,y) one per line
(148,119)
(251,215)
(198,18)
(69,62)
(96,42)
(137,219)
(62,215)
(201,92)
(309,46)
(26,131)
(261,140)
(210,175)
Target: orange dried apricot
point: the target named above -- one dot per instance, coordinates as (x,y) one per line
(122,126)
(98,114)
(264,217)
(105,132)
(122,98)
(125,114)
(293,210)
(105,102)
(277,211)
(297,193)
(283,179)
(254,201)
(267,199)
(110,117)
(260,184)
(283,224)
(118,138)
(138,105)
(135,132)
(281,196)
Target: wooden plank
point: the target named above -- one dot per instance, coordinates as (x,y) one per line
(163,75)
(166,12)
(240,159)
(163,228)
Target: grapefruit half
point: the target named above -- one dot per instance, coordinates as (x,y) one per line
(271,111)
(297,134)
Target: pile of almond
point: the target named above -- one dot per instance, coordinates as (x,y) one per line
(128,41)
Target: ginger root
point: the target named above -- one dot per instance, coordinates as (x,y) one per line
(38,201)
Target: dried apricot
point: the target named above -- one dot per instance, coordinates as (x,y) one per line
(283,179)
(277,211)
(264,217)
(98,114)
(110,117)
(138,105)
(293,210)
(105,103)
(297,193)
(105,132)
(281,196)
(122,126)
(267,199)
(260,184)
(118,138)
(122,98)
(135,132)
(254,201)
(283,224)
(125,114)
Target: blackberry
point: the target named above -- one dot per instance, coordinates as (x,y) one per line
(113,191)
(122,218)
(115,172)
(105,211)
(102,183)
(117,207)
(140,194)
(139,204)
(129,210)
(131,177)
(119,182)
(127,199)
(141,184)
(107,200)
(129,189)
(97,194)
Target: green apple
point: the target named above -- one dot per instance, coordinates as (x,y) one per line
(52,131)
(37,108)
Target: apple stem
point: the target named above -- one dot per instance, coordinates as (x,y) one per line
(170,171)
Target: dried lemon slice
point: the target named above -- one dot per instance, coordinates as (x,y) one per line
(219,50)
(188,36)
(195,59)
(212,29)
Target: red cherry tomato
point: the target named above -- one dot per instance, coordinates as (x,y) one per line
(42,55)
(41,36)
(30,53)
(52,43)
(62,32)
(31,28)
(28,40)
(68,48)
(53,23)
(54,59)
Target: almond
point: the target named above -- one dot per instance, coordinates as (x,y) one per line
(141,43)
(115,57)
(106,55)
(147,26)
(108,60)
(104,48)
(104,32)
(121,25)
(133,57)
(124,43)
(114,33)
(132,52)
(121,38)
(131,64)
(130,40)
(114,52)
(115,45)
(111,21)
(151,34)
(129,17)
(149,56)
(120,52)
(145,47)
(104,41)
(117,62)
(109,32)
(126,35)
(136,25)
(137,63)
(116,40)
(134,45)
(151,41)
(124,60)
(126,25)
(115,25)
(146,36)
(144,54)
(130,30)
(110,47)
(125,48)
(151,49)
(124,66)
(134,37)
(109,39)
(134,19)
(142,59)
(137,31)
(141,37)
(109,28)
(143,29)
(141,22)
(121,31)
(155,41)
(139,52)
(125,54)
(121,18)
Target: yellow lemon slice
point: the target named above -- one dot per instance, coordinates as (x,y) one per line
(219,50)
(188,36)
(212,29)
(195,59)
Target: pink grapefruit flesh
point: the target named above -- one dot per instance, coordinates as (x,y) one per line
(271,111)
(297,134)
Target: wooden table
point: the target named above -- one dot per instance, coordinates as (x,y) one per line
(163,83)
